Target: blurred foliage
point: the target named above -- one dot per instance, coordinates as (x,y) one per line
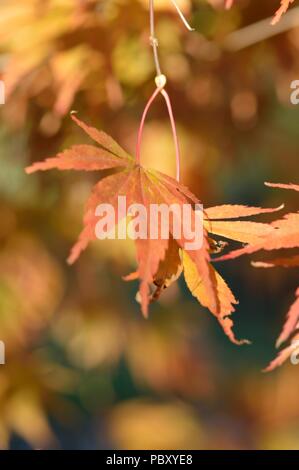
(83,369)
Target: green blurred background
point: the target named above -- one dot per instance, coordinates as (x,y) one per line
(83,369)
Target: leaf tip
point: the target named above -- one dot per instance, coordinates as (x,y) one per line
(278,342)
(131,277)
(29,169)
(241,342)
(144,310)
(260,264)
(72,258)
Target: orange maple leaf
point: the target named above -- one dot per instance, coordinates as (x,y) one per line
(139,186)
(285,235)
(160,261)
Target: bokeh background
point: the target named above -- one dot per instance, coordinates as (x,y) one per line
(83,369)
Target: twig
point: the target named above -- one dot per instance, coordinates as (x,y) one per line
(153,39)
(181,15)
(260,31)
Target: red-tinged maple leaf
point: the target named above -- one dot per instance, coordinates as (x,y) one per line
(139,186)
(159,261)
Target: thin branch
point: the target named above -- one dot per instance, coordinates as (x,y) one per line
(260,31)
(160,83)
(153,39)
(181,15)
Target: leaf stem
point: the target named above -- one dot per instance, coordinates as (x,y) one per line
(180,13)
(141,126)
(160,83)
(153,39)
(174,133)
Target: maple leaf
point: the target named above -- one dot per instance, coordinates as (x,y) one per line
(160,261)
(140,186)
(284,236)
